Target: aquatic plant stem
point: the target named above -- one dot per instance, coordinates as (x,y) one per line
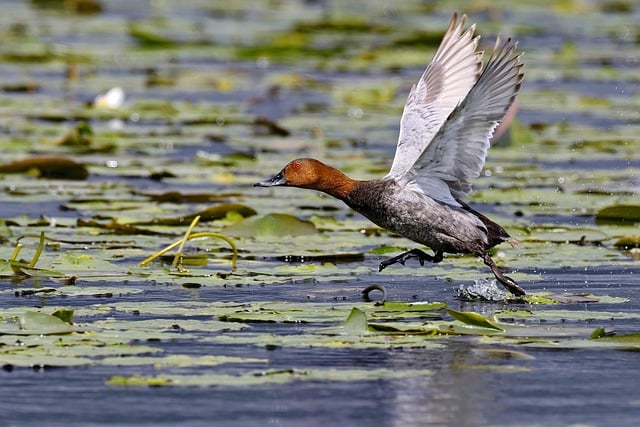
(177,260)
(36,256)
(15,252)
(199,235)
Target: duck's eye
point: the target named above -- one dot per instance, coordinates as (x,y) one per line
(297,166)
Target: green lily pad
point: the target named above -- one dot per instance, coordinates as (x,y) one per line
(29,361)
(36,323)
(271,225)
(209,214)
(355,324)
(178,361)
(65,315)
(27,270)
(628,214)
(473,319)
(628,242)
(48,167)
(257,378)
(139,380)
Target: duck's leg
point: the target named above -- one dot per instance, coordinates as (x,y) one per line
(413,253)
(506,281)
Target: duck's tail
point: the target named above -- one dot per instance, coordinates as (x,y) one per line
(495,233)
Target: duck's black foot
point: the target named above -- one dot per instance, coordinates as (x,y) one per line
(506,281)
(413,253)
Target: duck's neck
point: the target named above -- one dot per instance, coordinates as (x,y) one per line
(335,183)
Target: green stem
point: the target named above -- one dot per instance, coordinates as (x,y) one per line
(204,234)
(177,260)
(16,251)
(38,251)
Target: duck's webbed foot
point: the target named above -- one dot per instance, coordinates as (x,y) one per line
(506,281)
(413,253)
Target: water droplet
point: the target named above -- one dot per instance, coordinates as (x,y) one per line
(356,113)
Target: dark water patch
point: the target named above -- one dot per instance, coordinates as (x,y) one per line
(36,209)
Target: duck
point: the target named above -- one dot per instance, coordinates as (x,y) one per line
(446,130)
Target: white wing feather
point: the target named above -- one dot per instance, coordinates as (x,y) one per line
(451,74)
(458,151)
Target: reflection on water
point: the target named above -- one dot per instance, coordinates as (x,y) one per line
(457,394)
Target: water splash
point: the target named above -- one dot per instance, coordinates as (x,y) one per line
(482,290)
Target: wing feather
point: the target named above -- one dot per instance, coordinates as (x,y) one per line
(449,77)
(459,149)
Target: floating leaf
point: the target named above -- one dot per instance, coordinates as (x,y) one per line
(215,212)
(628,242)
(26,270)
(625,214)
(36,323)
(271,225)
(117,228)
(264,126)
(48,167)
(356,322)
(597,333)
(65,315)
(78,136)
(149,38)
(272,376)
(179,361)
(385,249)
(138,380)
(406,328)
(42,361)
(473,319)
(631,339)
(398,309)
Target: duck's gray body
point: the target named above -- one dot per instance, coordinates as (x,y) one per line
(416,216)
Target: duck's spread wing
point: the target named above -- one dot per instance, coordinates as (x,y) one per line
(458,151)
(451,74)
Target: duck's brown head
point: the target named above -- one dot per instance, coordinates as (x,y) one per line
(312,174)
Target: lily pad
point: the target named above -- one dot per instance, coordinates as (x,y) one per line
(628,242)
(43,324)
(179,361)
(273,376)
(473,319)
(271,225)
(625,214)
(48,167)
(209,214)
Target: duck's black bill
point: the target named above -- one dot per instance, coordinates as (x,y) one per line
(275,181)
